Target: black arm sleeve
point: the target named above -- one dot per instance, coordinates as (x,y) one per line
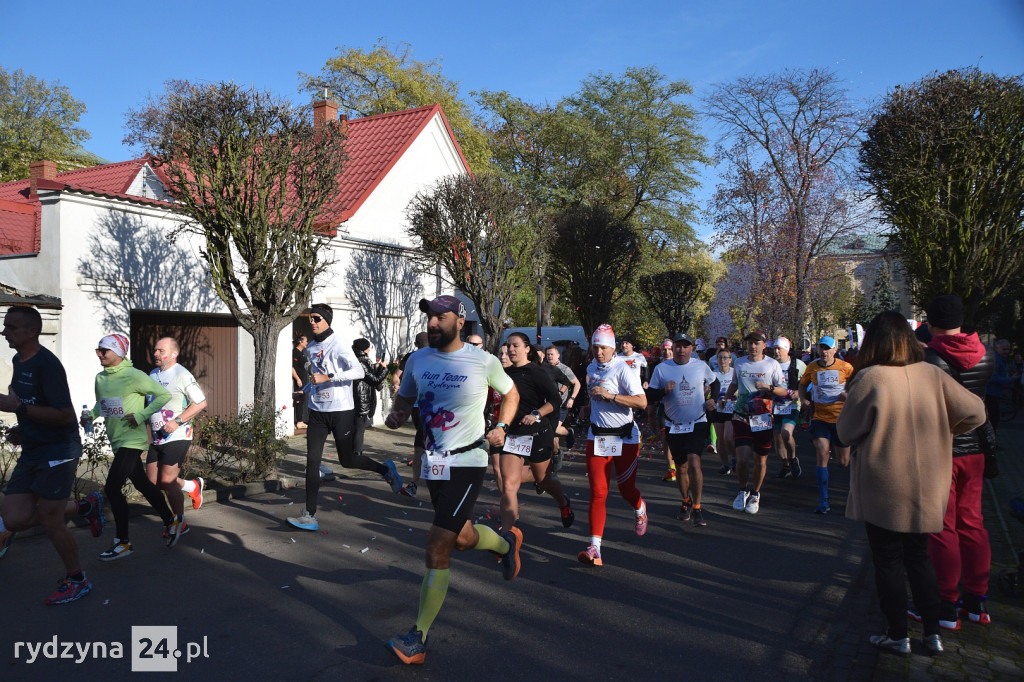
(715,388)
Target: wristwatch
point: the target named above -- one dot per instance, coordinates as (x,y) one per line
(501,425)
(536,414)
(178,420)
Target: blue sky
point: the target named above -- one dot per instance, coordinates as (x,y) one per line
(112,54)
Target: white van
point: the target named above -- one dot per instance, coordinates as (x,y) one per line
(552,336)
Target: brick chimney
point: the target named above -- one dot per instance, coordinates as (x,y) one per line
(40,170)
(324,110)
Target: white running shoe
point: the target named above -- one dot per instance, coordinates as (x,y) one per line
(753,503)
(741,500)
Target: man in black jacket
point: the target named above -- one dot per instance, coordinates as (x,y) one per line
(364,391)
(961,552)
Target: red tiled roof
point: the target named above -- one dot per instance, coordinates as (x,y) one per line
(374,146)
(19,228)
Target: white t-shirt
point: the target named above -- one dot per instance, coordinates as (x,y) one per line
(618,378)
(724,380)
(451,389)
(184,391)
(685,404)
(748,373)
(636,362)
(327,357)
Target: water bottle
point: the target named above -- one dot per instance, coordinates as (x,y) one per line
(87,416)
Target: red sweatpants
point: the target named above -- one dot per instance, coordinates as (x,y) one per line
(599,472)
(961,551)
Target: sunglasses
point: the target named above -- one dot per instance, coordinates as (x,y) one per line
(474,343)
(316,319)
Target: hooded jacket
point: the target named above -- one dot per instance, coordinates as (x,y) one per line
(123,390)
(966,359)
(364,391)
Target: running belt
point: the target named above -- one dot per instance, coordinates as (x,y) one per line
(623,431)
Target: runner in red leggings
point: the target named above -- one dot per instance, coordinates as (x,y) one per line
(614,439)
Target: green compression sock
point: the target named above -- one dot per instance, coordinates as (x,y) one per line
(490,540)
(432,593)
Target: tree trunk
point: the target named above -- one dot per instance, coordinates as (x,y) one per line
(265,331)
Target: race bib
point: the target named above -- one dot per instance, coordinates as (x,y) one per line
(518,445)
(607,446)
(435,466)
(681,428)
(783,407)
(760,422)
(112,408)
(729,407)
(323,394)
(828,388)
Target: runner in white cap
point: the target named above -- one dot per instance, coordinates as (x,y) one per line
(786,410)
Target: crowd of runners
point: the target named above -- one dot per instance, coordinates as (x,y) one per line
(514,412)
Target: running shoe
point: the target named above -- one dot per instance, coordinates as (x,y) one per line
(306,522)
(182,530)
(794,467)
(326,474)
(973,608)
(410,648)
(948,616)
(670,476)
(570,439)
(174,530)
(896,646)
(712,449)
(69,590)
(6,538)
(118,550)
(410,489)
(698,518)
(685,512)
(567,514)
(784,472)
(640,523)
(933,644)
(97,519)
(556,461)
(822,508)
(591,555)
(725,470)
(741,500)
(197,493)
(510,559)
(393,477)
(753,503)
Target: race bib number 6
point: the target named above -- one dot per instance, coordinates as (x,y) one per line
(681,428)
(435,466)
(607,446)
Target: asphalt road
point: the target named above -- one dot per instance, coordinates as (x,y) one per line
(779,595)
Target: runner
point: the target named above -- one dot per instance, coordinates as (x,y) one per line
(684,385)
(757,379)
(552,356)
(42,479)
(450,382)
(656,420)
(613,438)
(332,369)
(824,383)
(785,411)
(721,419)
(126,398)
(529,435)
(171,427)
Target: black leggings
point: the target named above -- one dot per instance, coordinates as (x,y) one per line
(900,558)
(340,425)
(127,466)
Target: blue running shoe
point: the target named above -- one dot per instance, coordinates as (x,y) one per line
(306,522)
(393,477)
(97,519)
(410,648)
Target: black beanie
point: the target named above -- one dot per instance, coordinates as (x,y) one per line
(323,310)
(360,345)
(946,312)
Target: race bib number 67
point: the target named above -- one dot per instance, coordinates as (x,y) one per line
(435,466)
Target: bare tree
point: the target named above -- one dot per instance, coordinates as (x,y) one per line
(483,234)
(793,137)
(254,178)
(674,296)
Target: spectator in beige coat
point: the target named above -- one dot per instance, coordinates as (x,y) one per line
(900,415)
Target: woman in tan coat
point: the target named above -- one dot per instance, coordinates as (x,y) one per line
(900,415)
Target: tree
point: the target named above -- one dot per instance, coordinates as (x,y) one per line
(38,120)
(883,296)
(598,254)
(385,80)
(793,136)
(944,158)
(481,232)
(680,296)
(253,178)
(831,299)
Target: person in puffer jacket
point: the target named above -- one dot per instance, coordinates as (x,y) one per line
(364,391)
(961,552)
